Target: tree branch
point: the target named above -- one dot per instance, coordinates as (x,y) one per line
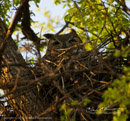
(11,28)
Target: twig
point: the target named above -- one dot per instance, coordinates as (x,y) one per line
(66,25)
(53,106)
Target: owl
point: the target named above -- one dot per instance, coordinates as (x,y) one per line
(62,50)
(65,45)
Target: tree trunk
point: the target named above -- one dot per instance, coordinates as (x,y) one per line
(15,80)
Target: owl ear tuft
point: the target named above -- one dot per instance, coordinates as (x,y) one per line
(49,36)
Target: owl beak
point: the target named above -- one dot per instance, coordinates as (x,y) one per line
(64,45)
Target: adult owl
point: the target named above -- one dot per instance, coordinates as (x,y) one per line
(63,50)
(64,45)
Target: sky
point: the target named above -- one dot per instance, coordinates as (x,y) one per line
(55,10)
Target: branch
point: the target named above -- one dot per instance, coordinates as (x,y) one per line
(66,25)
(124,7)
(28,32)
(53,106)
(11,28)
(26,29)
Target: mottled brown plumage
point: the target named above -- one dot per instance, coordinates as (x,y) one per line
(63,45)
(64,52)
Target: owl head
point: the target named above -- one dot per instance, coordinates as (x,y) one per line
(59,43)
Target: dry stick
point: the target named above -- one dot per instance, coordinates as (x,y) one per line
(66,25)
(84,117)
(16,80)
(48,76)
(53,106)
(27,83)
(98,88)
(68,49)
(92,73)
(87,115)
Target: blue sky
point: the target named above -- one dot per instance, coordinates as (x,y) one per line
(55,10)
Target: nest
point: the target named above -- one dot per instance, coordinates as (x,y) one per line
(75,79)
(71,87)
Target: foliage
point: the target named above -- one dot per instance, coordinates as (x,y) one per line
(3,10)
(118,93)
(68,110)
(105,21)
(100,18)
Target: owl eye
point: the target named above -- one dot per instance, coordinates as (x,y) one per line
(56,43)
